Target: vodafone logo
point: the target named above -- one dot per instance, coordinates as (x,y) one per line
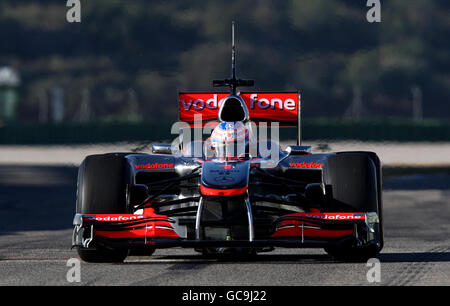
(306,165)
(213,103)
(116,218)
(337,217)
(200,104)
(154,166)
(270,106)
(274,103)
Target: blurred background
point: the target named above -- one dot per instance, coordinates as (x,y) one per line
(110,82)
(115,75)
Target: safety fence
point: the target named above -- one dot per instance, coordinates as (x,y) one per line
(314,129)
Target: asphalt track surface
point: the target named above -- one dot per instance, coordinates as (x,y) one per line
(37,207)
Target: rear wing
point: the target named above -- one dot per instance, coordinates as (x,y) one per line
(273,106)
(263,106)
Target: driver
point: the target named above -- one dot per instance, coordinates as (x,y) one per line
(231,140)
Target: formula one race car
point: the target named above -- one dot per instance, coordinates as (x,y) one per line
(232,193)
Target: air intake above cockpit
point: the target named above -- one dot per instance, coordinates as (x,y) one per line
(233,108)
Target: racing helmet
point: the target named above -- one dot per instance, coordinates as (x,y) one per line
(230,140)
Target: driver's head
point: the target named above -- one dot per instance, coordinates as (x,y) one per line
(230,140)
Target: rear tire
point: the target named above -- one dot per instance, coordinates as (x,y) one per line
(101,189)
(355,180)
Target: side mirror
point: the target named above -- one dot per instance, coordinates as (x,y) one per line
(162,148)
(298,150)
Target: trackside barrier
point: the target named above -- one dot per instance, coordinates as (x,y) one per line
(317,129)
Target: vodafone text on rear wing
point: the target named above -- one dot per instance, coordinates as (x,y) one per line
(265,106)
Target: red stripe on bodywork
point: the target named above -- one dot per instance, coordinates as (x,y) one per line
(123,226)
(291,225)
(138,233)
(222,192)
(310,232)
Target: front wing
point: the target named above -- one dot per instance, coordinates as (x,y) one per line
(303,229)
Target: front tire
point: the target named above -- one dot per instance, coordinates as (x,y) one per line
(355,181)
(353,254)
(101,189)
(102,255)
